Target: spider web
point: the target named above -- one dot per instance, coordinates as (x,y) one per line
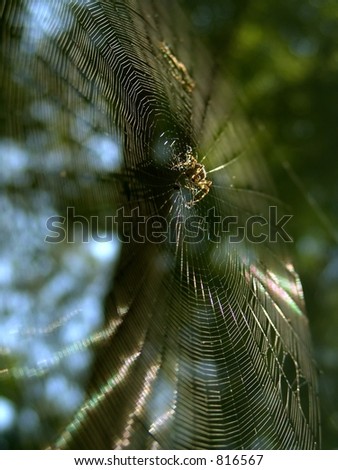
(205,343)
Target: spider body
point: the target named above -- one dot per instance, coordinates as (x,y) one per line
(193,177)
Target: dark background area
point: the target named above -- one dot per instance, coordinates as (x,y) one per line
(282,58)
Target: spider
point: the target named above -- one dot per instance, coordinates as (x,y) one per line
(194,178)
